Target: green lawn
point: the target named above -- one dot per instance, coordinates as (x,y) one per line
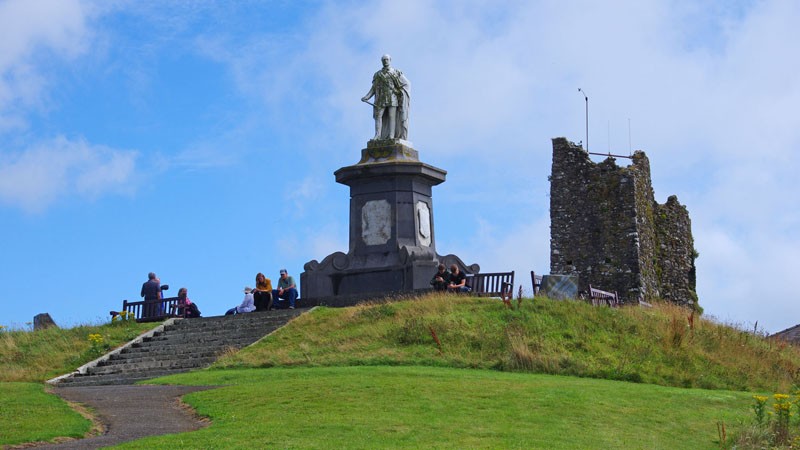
(29,414)
(426,407)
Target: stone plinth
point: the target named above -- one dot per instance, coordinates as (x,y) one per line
(392,238)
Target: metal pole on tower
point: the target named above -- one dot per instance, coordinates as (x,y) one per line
(586,99)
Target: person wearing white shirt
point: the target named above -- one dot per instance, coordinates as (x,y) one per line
(248,304)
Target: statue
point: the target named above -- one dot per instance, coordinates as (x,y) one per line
(392,92)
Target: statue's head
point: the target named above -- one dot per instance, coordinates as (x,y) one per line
(386,60)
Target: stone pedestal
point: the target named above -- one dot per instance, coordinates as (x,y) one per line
(392,239)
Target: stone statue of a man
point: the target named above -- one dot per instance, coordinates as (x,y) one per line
(392,93)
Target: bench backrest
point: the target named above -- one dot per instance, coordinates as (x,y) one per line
(599,297)
(152,310)
(491,284)
(536,283)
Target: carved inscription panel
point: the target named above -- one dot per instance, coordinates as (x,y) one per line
(376,222)
(424,224)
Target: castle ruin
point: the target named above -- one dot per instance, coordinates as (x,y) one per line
(606,228)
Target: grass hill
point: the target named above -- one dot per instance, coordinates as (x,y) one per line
(664,345)
(440,371)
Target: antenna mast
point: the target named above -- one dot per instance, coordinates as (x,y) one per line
(587,116)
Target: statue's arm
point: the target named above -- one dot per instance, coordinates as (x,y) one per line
(369,94)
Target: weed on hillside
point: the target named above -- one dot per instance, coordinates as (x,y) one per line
(775,424)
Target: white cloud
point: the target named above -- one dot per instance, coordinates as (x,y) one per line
(31,33)
(41,175)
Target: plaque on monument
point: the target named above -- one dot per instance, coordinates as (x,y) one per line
(392,235)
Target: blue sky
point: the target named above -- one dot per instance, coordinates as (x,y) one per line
(199,139)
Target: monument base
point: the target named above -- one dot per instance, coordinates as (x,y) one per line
(340,274)
(392,240)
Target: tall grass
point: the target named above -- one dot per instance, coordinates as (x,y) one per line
(40,355)
(663,345)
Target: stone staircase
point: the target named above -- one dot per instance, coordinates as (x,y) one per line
(177,345)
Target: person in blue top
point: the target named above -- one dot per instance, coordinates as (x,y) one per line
(287,290)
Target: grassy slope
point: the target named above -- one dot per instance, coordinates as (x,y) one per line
(426,407)
(44,354)
(565,338)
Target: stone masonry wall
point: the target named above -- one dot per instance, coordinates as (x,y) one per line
(606,227)
(677,276)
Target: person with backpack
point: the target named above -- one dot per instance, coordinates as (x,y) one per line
(186,308)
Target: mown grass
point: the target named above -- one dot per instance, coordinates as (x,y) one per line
(44,354)
(29,414)
(660,345)
(427,407)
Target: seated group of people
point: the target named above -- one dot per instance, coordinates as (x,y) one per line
(453,280)
(264,298)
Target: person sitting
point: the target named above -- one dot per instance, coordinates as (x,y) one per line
(441,278)
(248,304)
(262,296)
(186,308)
(458,281)
(287,290)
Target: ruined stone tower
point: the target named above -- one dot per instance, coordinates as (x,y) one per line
(606,227)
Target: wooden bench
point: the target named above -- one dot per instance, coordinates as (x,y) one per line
(603,298)
(536,283)
(499,284)
(151,310)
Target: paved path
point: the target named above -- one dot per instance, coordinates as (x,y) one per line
(131,412)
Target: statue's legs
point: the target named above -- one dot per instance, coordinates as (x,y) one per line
(378,114)
(392,121)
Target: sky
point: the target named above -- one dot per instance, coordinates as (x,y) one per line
(198,139)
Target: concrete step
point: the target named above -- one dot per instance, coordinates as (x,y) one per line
(142,366)
(180,346)
(214,352)
(117,379)
(195,335)
(239,318)
(157,356)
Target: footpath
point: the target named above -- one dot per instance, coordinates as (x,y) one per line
(127,413)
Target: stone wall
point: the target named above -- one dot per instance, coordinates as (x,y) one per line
(606,227)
